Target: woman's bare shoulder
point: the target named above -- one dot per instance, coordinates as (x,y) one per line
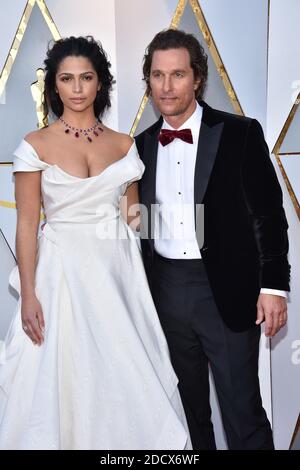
(123,141)
(40,134)
(40,137)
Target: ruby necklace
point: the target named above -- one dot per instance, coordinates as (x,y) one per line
(94,130)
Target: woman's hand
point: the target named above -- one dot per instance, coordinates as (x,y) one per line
(33,319)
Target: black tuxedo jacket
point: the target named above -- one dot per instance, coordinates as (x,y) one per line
(245,228)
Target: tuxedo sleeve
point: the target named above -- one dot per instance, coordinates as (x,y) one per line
(263,198)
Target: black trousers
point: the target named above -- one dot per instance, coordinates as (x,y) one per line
(197,336)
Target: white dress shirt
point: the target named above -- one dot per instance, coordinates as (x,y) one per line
(174,234)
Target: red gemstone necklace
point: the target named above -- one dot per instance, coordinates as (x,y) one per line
(94,130)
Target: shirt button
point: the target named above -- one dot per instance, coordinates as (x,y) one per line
(184,252)
(178,163)
(181,223)
(179,192)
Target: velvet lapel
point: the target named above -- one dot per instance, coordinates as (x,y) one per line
(149,177)
(209,138)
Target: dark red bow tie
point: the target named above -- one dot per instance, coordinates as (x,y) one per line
(167,135)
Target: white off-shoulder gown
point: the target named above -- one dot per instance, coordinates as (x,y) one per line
(102,379)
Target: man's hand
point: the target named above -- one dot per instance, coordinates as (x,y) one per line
(272,309)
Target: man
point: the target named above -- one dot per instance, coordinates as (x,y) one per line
(211,298)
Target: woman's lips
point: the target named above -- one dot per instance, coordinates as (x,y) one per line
(77,100)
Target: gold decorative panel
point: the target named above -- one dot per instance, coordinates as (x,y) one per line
(36,87)
(281,155)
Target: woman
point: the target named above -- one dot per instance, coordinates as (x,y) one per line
(86,363)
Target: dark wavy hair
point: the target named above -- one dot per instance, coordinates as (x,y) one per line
(76,46)
(176,39)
